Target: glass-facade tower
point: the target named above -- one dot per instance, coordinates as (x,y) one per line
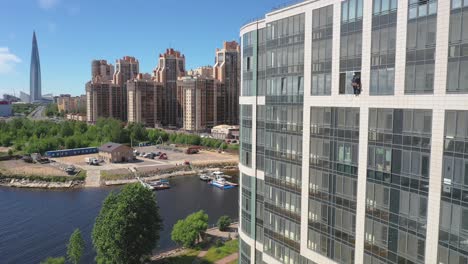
(35,73)
(328,176)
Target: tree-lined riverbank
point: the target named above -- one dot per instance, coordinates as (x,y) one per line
(46,219)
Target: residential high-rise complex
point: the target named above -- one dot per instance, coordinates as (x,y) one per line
(105,100)
(198,99)
(218,87)
(35,73)
(204,71)
(145,101)
(354,131)
(227,71)
(171,66)
(101,69)
(127,68)
(71,104)
(105,96)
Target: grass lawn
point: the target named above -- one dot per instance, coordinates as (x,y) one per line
(186,258)
(225,250)
(214,254)
(82,175)
(109,176)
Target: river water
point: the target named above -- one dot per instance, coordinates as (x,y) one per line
(36,224)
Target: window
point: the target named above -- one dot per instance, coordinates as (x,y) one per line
(383,47)
(420,50)
(346,80)
(333,173)
(464,226)
(351,36)
(322,33)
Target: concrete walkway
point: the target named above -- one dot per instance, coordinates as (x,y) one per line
(202,253)
(228,259)
(232,231)
(93,178)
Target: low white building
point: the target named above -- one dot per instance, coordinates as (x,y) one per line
(225,132)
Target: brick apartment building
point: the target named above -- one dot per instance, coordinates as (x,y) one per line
(145,101)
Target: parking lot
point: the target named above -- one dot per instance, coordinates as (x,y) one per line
(175,157)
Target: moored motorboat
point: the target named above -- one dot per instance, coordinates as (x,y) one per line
(160,185)
(221,183)
(204,177)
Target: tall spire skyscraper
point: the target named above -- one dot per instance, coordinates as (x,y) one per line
(35,73)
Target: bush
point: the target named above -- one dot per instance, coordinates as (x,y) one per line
(219,243)
(188,231)
(224,222)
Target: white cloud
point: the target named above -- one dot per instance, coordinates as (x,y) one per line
(8,60)
(48,4)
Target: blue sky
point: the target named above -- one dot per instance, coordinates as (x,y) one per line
(71,33)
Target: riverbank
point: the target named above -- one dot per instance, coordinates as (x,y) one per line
(25,183)
(43,182)
(46,218)
(104,178)
(177,171)
(218,245)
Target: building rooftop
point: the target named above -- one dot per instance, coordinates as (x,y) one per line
(110,146)
(226,127)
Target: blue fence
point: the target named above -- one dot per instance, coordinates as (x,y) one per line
(71,152)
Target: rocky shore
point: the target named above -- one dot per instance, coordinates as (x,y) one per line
(26,183)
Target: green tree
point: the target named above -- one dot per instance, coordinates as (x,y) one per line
(67,129)
(59,260)
(189,231)
(224,222)
(52,110)
(138,132)
(75,247)
(127,228)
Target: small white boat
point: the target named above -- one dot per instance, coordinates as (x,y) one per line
(160,185)
(217,174)
(204,177)
(146,185)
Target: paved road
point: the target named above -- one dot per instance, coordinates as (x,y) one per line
(93,178)
(38,113)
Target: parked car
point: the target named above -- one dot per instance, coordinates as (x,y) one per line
(92,161)
(149,155)
(192,150)
(70,169)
